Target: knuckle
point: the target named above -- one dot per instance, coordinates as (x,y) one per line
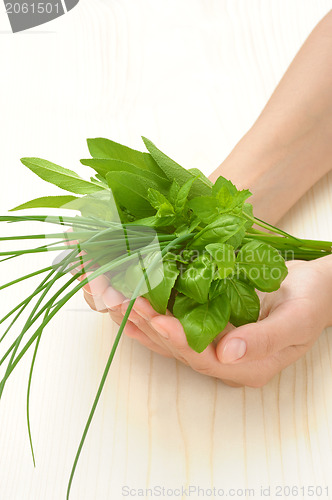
(268,348)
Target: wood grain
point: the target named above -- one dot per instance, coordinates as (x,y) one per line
(193,76)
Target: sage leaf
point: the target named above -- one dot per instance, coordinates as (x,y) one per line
(46,202)
(173,170)
(62,177)
(107,149)
(105,166)
(202,322)
(131,191)
(197,173)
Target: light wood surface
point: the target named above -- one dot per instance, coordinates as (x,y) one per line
(192,75)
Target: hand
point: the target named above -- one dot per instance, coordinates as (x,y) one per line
(291,320)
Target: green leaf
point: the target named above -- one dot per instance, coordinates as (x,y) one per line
(182,196)
(105,166)
(196,279)
(248,210)
(220,183)
(225,229)
(223,256)
(174,171)
(105,148)
(218,287)
(197,173)
(46,202)
(202,322)
(158,284)
(244,302)
(173,192)
(131,191)
(160,203)
(205,208)
(61,177)
(100,205)
(159,295)
(262,265)
(227,195)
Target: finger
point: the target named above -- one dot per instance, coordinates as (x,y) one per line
(283,327)
(112,298)
(96,303)
(172,333)
(141,320)
(134,332)
(143,307)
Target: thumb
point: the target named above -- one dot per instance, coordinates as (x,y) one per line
(260,340)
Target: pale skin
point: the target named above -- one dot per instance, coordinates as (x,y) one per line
(287,150)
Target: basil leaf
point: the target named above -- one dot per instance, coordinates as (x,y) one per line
(244,302)
(174,171)
(227,228)
(104,166)
(217,287)
(61,177)
(223,256)
(159,295)
(46,202)
(105,148)
(202,322)
(196,279)
(262,265)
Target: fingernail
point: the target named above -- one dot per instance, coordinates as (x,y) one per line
(160,330)
(112,299)
(233,350)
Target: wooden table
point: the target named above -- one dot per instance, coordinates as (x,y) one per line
(193,76)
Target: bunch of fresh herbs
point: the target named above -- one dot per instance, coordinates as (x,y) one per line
(156,230)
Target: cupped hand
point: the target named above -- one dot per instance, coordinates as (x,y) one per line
(291,320)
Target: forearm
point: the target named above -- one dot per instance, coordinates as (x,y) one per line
(289,148)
